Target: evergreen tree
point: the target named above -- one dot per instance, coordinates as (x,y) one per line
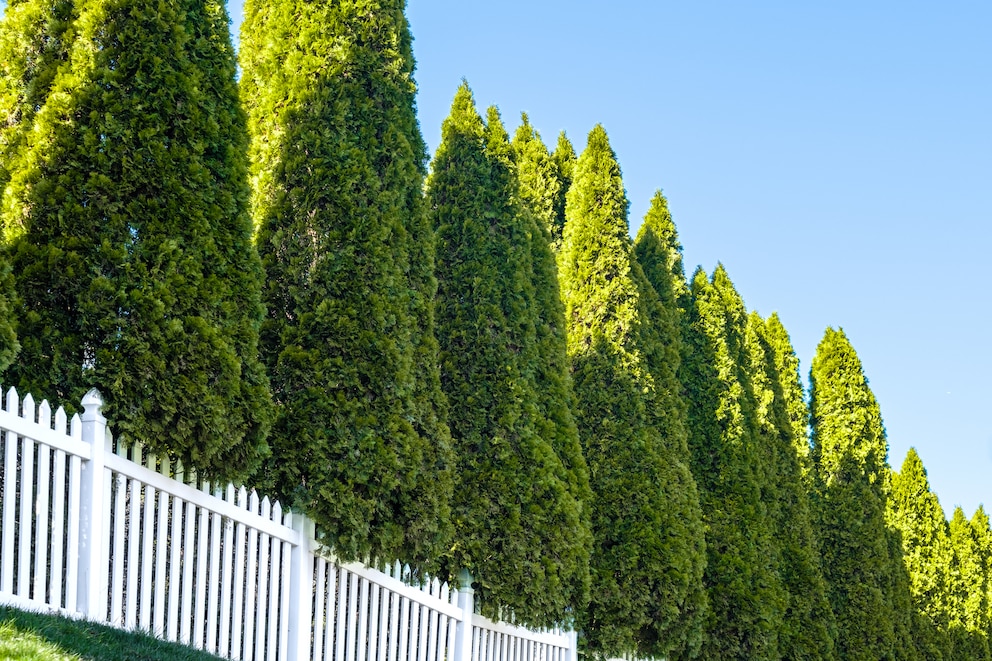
(337,165)
(849,455)
(787,368)
(643,563)
(915,513)
(540,187)
(746,594)
(126,225)
(519,526)
(563,159)
(969,589)
(661,315)
(808,622)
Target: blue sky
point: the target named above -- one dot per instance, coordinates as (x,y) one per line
(836,157)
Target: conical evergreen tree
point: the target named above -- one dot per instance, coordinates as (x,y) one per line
(540,187)
(915,513)
(849,455)
(747,598)
(787,368)
(127,228)
(519,527)
(34,43)
(564,159)
(643,561)
(661,314)
(969,589)
(807,631)
(337,165)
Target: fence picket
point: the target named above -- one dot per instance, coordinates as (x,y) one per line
(189,557)
(284,590)
(147,565)
(59,483)
(240,537)
(175,545)
(200,609)
(275,573)
(133,538)
(264,568)
(320,594)
(213,584)
(9,498)
(74,507)
(251,597)
(226,594)
(161,547)
(26,501)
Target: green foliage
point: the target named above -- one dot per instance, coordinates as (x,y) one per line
(540,188)
(915,513)
(645,561)
(661,327)
(787,367)
(126,225)
(520,527)
(746,594)
(807,630)
(337,166)
(970,584)
(849,455)
(563,158)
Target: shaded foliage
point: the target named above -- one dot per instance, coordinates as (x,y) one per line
(337,165)
(126,225)
(519,520)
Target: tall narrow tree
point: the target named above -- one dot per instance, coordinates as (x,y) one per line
(747,597)
(540,187)
(337,165)
(807,628)
(518,523)
(969,589)
(915,513)
(563,158)
(852,473)
(127,228)
(644,566)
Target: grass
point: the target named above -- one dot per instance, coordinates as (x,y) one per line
(44,637)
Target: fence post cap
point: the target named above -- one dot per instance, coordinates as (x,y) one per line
(92,403)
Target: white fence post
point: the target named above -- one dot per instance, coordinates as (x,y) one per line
(301,590)
(463,630)
(92,591)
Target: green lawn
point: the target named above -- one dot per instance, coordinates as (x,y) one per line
(33,636)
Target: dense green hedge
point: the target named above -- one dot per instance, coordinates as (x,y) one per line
(127,229)
(337,165)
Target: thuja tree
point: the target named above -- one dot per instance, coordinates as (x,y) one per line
(807,628)
(540,187)
(657,271)
(746,594)
(34,39)
(915,513)
(563,158)
(852,474)
(796,409)
(337,165)
(127,228)
(645,559)
(519,528)
(968,588)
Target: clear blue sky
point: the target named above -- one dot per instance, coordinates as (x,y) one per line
(836,157)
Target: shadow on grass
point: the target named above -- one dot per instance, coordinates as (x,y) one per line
(25,635)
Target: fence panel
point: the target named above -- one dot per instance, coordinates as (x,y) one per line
(118,535)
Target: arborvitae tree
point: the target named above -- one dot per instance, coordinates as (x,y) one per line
(915,513)
(34,41)
(126,224)
(337,165)
(563,158)
(643,562)
(540,187)
(659,297)
(968,604)
(849,455)
(807,631)
(787,368)
(746,595)
(518,524)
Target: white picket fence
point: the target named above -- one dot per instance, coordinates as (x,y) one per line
(114,536)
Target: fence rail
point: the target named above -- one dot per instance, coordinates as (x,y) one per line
(120,536)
